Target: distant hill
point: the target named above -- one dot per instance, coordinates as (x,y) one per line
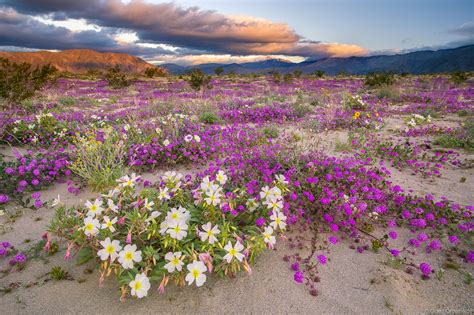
(420,62)
(80,60)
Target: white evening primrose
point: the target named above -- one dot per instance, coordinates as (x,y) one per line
(109,224)
(196,273)
(281,179)
(178,214)
(278,220)
(166,142)
(109,249)
(209,233)
(274,205)
(148,204)
(56,201)
(206,184)
(197,138)
(163,194)
(94,208)
(140,286)
(265,192)
(128,181)
(188,138)
(177,230)
(174,261)
(91,226)
(233,251)
(213,196)
(221,177)
(129,255)
(112,206)
(268,236)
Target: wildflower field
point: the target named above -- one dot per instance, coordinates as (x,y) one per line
(244,195)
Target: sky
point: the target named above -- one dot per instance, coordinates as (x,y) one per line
(193,32)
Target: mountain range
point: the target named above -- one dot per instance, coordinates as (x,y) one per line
(80,60)
(419,62)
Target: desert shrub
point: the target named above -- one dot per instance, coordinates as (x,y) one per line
(276,76)
(116,78)
(198,80)
(297,73)
(287,78)
(100,162)
(271,132)
(208,118)
(459,77)
(155,72)
(301,109)
(463,138)
(388,92)
(67,101)
(462,112)
(20,81)
(319,73)
(219,70)
(377,79)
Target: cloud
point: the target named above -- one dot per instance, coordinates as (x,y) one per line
(188,28)
(22,30)
(466,29)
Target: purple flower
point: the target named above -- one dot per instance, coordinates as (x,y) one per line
(395,252)
(6,244)
(332,239)
(3,252)
(298,277)
(18,259)
(322,259)
(425,269)
(38,203)
(4,198)
(295,266)
(435,244)
(36,195)
(453,239)
(422,237)
(470,257)
(35,182)
(260,222)
(393,235)
(9,170)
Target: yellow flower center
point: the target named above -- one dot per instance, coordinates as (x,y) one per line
(232,252)
(89,227)
(128,256)
(175,261)
(110,249)
(137,285)
(195,273)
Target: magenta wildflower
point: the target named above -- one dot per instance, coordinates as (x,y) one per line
(322,259)
(425,269)
(393,235)
(295,266)
(298,277)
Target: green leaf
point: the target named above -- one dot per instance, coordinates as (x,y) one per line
(85,254)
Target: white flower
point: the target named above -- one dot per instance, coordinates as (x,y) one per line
(233,251)
(274,204)
(126,127)
(209,233)
(127,181)
(140,285)
(196,273)
(197,138)
(268,236)
(91,226)
(178,214)
(109,224)
(206,184)
(281,179)
(129,255)
(163,194)
(177,230)
(153,215)
(94,208)
(175,262)
(164,227)
(110,249)
(148,204)
(265,192)
(56,201)
(278,220)
(157,130)
(188,138)
(221,177)
(213,195)
(112,206)
(166,142)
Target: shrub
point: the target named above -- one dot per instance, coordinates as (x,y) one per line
(297,73)
(19,81)
(276,77)
(208,118)
(319,73)
(287,78)
(116,78)
(67,101)
(99,159)
(301,109)
(271,132)
(377,79)
(459,77)
(219,70)
(198,80)
(353,102)
(388,92)
(155,72)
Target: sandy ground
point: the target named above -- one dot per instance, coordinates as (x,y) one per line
(351,283)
